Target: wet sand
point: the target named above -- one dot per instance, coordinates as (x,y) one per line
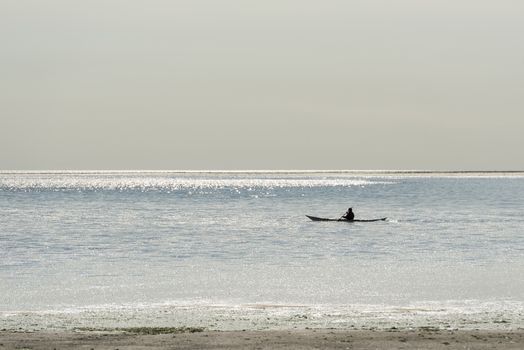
(281,339)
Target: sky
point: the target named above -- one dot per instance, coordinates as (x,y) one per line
(273,84)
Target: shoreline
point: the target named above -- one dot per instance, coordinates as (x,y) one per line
(458,315)
(325,338)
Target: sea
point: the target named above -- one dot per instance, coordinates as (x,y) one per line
(234,250)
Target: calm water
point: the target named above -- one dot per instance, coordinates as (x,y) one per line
(234,250)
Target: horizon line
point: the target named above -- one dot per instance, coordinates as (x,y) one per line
(283,171)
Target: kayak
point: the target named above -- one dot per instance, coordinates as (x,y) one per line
(314,218)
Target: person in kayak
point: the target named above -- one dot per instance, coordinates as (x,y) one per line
(349,215)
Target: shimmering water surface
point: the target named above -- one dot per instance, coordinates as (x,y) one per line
(235,251)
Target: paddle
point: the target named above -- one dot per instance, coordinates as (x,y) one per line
(342,218)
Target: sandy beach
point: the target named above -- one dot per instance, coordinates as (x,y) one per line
(422,338)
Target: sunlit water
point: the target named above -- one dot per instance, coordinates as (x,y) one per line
(235,250)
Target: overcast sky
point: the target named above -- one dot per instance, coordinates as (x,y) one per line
(238,84)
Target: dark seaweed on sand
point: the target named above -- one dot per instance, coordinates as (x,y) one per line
(146,330)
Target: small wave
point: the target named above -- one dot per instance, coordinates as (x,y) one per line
(472,314)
